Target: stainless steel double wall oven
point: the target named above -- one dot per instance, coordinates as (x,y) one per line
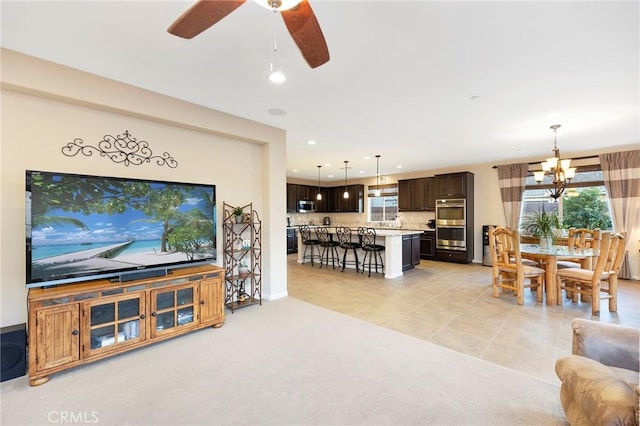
(451,226)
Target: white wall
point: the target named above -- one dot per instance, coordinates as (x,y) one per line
(45,106)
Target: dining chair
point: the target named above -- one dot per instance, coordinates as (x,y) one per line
(371,249)
(508,270)
(602,279)
(309,242)
(580,238)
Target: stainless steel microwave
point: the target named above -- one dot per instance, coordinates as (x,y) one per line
(306,206)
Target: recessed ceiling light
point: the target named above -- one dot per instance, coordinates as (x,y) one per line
(330,175)
(327,164)
(277,112)
(398,166)
(361,171)
(367,158)
(295,170)
(311,142)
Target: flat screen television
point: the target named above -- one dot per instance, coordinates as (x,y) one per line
(81,228)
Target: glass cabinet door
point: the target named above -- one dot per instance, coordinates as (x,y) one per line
(114,322)
(171,308)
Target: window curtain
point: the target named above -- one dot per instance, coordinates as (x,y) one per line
(512,179)
(621,173)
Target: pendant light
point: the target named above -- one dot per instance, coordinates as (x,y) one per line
(319,196)
(346,190)
(275,76)
(377,191)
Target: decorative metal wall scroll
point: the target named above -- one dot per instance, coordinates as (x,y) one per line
(120,149)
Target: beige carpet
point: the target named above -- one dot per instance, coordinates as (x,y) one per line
(287,363)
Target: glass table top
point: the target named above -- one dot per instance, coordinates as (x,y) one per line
(558,250)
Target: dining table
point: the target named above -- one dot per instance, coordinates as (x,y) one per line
(550,256)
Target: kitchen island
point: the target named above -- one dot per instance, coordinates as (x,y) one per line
(390,238)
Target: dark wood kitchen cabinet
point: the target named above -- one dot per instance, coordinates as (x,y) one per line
(306,192)
(428,245)
(416,194)
(430,193)
(292,240)
(355,202)
(322,205)
(410,251)
(332,198)
(455,256)
(336,203)
(292,198)
(406,200)
(454,185)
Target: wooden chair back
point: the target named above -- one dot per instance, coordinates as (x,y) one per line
(615,253)
(605,271)
(584,238)
(501,245)
(603,257)
(508,270)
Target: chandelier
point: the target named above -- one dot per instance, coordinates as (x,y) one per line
(559,170)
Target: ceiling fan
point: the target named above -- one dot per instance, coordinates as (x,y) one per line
(299,19)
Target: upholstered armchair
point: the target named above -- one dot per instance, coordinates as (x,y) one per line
(600,379)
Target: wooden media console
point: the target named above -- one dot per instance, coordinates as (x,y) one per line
(75,324)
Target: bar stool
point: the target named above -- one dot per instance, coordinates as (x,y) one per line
(329,246)
(345,241)
(371,249)
(305,233)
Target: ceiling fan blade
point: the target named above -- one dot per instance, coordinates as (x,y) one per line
(305,30)
(202,15)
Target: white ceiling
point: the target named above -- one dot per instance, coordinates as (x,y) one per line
(399,83)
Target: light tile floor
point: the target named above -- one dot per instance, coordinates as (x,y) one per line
(452,305)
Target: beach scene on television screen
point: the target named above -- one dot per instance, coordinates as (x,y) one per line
(89,225)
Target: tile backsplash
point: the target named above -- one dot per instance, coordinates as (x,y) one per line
(405,220)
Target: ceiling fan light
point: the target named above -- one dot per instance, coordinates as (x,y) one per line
(279,4)
(277,77)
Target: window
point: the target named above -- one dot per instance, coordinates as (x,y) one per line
(584,204)
(383,207)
